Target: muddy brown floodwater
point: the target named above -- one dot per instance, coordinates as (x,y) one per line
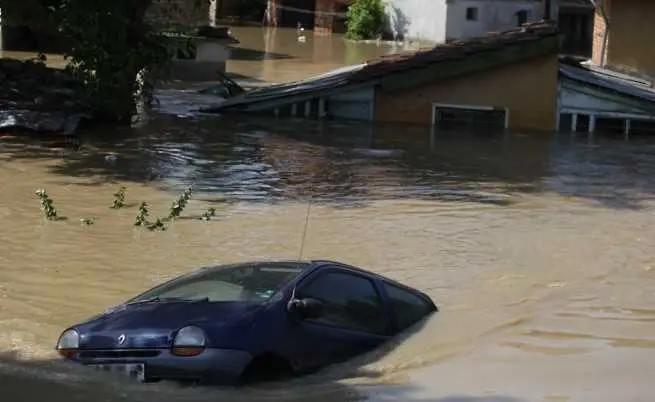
(537,248)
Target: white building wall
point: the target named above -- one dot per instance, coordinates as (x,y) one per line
(417,19)
(492,15)
(439,20)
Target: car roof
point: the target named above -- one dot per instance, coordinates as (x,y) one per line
(309,265)
(303,265)
(319,263)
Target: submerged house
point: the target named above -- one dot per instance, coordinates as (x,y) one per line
(593,99)
(504,80)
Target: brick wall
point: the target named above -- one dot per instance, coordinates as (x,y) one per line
(599,32)
(184,13)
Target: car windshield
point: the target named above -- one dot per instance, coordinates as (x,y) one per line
(247,283)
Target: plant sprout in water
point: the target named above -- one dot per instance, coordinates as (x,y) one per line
(143,213)
(142,216)
(211,212)
(47,205)
(119,198)
(178,206)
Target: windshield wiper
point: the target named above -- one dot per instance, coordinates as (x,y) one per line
(165,300)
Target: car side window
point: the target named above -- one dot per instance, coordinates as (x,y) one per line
(406,307)
(349,301)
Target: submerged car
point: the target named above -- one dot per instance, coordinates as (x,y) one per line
(247,322)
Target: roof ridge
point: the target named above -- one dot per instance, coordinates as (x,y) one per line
(530,31)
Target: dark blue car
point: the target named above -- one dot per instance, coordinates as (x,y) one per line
(247,322)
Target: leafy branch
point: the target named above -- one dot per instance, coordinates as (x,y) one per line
(143,212)
(47,205)
(119,199)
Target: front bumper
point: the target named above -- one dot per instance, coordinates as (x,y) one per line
(216,366)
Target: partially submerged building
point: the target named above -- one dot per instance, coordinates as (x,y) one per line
(623,33)
(504,80)
(593,99)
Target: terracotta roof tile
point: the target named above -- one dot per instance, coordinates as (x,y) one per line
(454,50)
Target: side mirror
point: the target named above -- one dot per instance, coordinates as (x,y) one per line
(304,309)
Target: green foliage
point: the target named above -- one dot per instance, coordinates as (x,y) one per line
(365,19)
(142,216)
(119,199)
(207,215)
(110,43)
(178,206)
(143,212)
(47,206)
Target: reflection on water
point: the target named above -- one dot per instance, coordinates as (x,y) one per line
(537,248)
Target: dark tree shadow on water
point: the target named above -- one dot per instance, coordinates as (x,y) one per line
(349,164)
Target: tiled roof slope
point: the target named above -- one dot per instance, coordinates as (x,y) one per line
(398,62)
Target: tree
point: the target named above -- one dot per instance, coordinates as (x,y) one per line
(365,19)
(109,44)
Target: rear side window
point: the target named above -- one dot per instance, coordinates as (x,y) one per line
(350,302)
(406,307)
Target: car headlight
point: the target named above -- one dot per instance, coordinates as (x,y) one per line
(189,341)
(68,343)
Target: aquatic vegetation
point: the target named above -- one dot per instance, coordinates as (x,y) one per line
(157,225)
(178,206)
(119,198)
(143,212)
(47,205)
(210,213)
(142,216)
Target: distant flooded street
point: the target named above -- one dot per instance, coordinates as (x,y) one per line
(277,55)
(536,247)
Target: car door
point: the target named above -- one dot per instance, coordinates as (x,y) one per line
(353,320)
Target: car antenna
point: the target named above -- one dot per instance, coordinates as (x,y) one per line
(304,232)
(292,299)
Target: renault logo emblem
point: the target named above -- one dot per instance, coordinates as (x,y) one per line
(121,339)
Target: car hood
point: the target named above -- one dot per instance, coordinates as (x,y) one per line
(151,325)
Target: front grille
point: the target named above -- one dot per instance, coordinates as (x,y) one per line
(118,354)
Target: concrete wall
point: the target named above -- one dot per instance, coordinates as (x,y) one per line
(439,20)
(417,19)
(512,86)
(492,15)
